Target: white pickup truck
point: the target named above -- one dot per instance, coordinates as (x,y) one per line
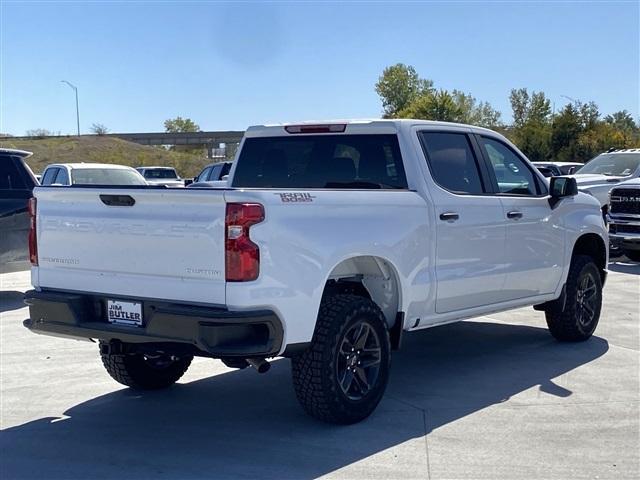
(598,176)
(331,241)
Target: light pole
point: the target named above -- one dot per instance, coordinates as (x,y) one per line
(75,89)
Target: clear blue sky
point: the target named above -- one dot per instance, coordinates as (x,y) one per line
(230,65)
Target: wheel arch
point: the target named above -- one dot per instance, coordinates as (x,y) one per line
(592,245)
(371,276)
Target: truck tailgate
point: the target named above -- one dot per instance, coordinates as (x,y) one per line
(169,244)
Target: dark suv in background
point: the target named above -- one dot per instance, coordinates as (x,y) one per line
(16,187)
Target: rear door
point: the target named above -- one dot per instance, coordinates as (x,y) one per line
(534,233)
(133,242)
(470,230)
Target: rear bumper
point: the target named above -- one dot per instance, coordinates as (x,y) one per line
(207,331)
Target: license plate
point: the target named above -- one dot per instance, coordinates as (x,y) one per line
(124,313)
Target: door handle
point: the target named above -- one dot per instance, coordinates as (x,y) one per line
(514,215)
(449,216)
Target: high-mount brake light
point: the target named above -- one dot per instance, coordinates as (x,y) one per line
(328,128)
(33,240)
(242,256)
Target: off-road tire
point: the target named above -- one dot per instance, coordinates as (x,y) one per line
(565,325)
(315,371)
(135,371)
(633,255)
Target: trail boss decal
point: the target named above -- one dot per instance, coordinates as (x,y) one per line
(296,197)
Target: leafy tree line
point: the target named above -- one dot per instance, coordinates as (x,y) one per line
(577,132)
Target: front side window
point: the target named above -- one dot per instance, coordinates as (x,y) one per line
(321,161)
(452,162)
(512,174)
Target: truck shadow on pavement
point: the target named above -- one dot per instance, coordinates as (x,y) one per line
(242,424)
(11,300)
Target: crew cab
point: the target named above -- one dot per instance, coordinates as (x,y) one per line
(330,242)
(16,184)
(600,174)
(624,218)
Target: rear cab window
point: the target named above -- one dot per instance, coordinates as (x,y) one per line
(351,161)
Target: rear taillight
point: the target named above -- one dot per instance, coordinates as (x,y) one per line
(33,242)
(242,256)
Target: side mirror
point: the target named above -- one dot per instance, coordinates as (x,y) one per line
(562,187)
(189,181)
(572,170)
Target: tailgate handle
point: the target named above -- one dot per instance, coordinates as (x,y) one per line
(118,200)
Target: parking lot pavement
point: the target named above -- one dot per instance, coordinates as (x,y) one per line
(496,397)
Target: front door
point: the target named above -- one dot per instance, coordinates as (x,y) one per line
(534,235)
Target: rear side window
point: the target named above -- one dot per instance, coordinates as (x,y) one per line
(321,161)
(10,178)
(204,175)
(226,168)
(63,177)
(452,162)
(49,176)
(214,174)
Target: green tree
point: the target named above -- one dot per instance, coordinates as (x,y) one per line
(534,108)
(439,105)
(519,99)
(398,86)
(531,130)
(621,120)
(475,113)
(567,127)
(179,124)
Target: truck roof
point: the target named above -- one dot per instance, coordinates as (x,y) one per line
(155,168)
(15,151)
(373,125)
(78,166)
